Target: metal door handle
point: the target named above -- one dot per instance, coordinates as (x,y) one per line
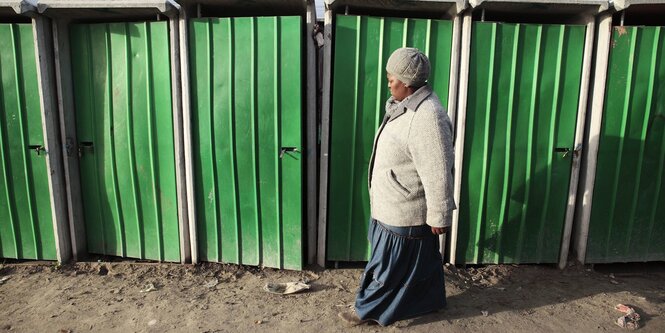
(86,146)
(284,150)
(37,148)
(565,151)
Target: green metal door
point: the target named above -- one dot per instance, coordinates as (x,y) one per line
(362,47)
(524,86)
(26,224)
(246,76)
(628,211)
(124,125)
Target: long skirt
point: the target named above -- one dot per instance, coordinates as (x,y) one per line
(404,276)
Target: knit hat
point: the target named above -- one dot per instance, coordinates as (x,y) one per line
(409,65)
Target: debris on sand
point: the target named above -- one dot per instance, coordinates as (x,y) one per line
(4,279)
(102,270)
(148,288)
(212,283)
(285,288)
(311,277)
(630,319)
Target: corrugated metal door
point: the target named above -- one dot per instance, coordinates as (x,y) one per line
(246,76)
(524,86)
(628,212)
(26,224)
(124,124)
(362,47)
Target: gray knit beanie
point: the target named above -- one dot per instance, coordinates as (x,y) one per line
(410,66)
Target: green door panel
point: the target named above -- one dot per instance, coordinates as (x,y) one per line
(524,83)
(26,224)
(362,47)
(628,210)
(124,124)
(246,86)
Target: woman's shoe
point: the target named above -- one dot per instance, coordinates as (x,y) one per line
(351,318)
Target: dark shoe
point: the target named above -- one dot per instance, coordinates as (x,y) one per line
(351,318)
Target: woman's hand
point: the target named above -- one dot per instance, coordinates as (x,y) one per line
(439,231)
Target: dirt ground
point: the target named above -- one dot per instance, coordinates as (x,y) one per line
(150,297)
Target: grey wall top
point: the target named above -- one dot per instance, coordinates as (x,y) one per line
(106,8)
(450,6)
(19,6)
(236,8)
(569,11)
(275,5)
(597,5)
(623,4)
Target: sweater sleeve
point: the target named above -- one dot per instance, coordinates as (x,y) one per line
(430,143)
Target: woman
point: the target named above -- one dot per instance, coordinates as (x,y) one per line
(411,197)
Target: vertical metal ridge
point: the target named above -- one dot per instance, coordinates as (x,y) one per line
(380,73)
(276,127)
(20,95)
(93,97)
(405,32)
(643,134)
(254,136)
(509,122)
(130,140)
(488,108)
(462,26)
(24,145)
(550,145)
(354,131)
(624,120)
(232,140)
(185,65)
(529,153)
(661,164)
(114,174)
(659,185)
(11,214)
(5,162)
(428,37)
(151,140)
(211,95)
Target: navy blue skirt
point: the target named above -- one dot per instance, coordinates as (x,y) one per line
(404,276)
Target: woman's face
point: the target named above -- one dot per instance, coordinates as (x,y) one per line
(398,89)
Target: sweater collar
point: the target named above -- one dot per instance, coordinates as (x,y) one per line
(395,109)
(413,102)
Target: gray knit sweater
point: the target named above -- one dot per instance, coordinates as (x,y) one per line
(411,168)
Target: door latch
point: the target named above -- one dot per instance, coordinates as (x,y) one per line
(565,151)
(37,148)
(86,146)
(284,150)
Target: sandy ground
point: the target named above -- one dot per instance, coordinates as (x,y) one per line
(149,297)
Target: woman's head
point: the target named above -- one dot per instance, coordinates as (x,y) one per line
(408,70)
